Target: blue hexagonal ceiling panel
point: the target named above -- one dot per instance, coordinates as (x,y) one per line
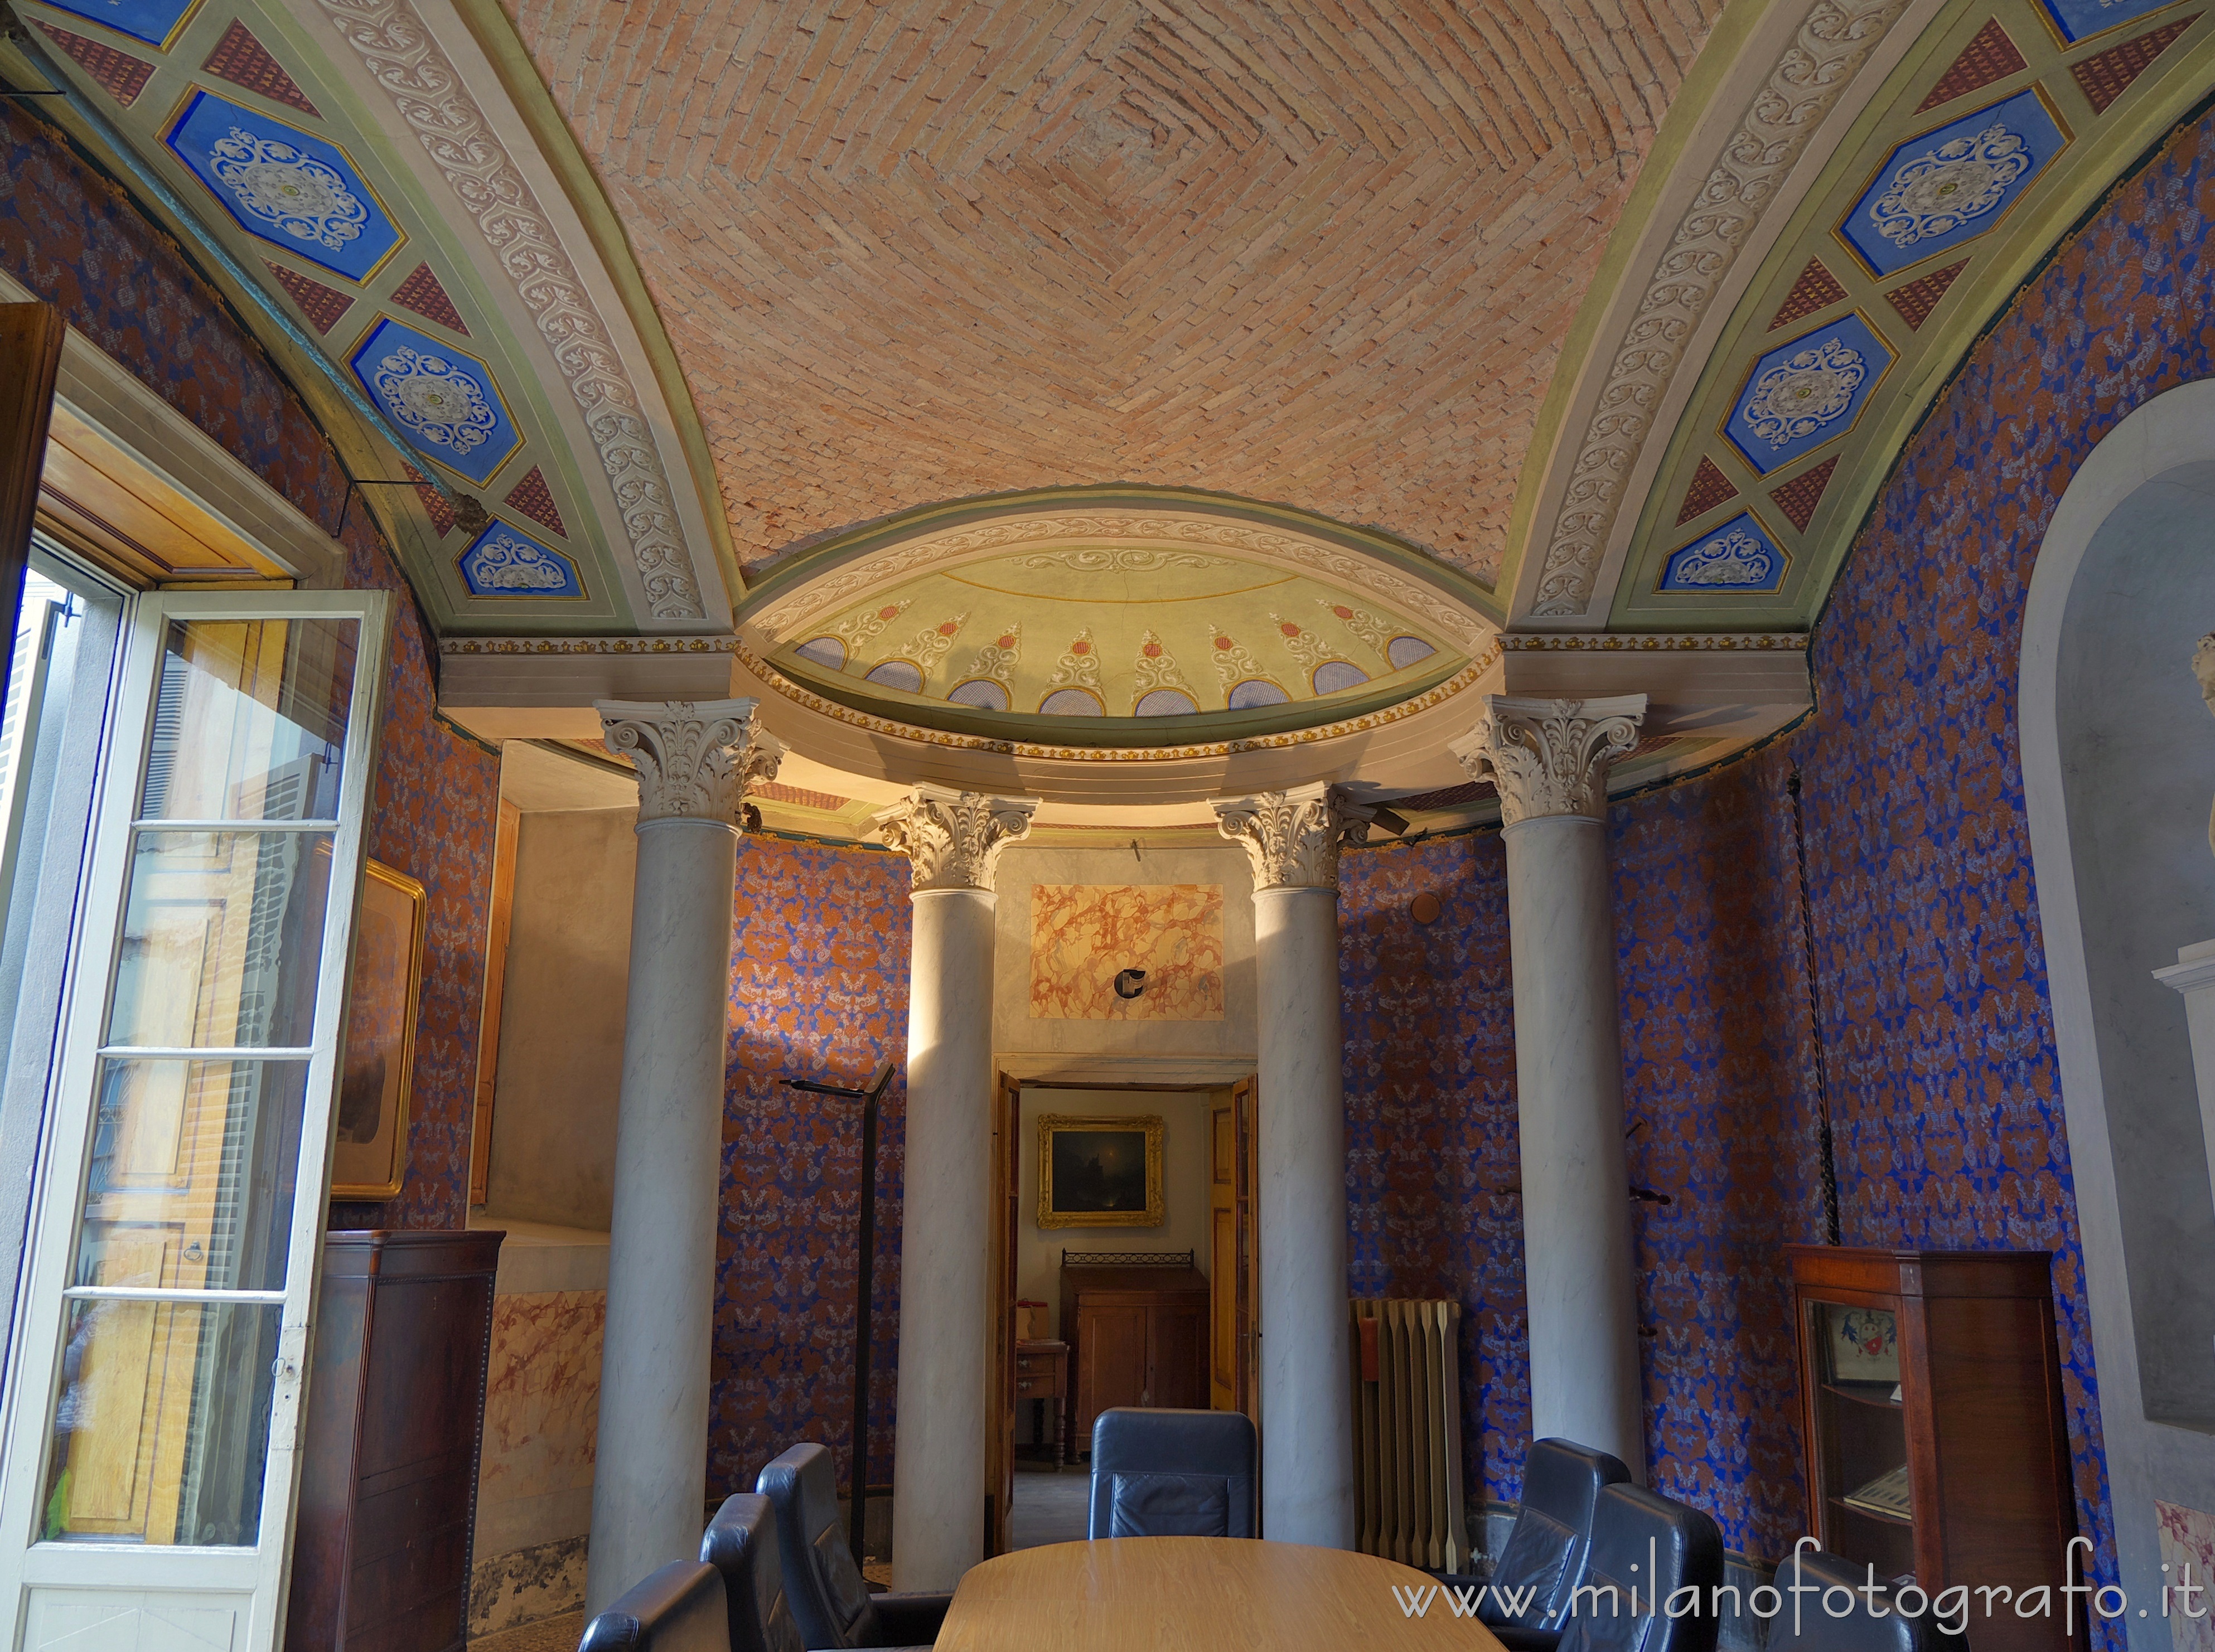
(1739,557)
(1953,183)
(155,22)
(2079,20)
(285,186)
(504,562)
(1805,393)
(443,400)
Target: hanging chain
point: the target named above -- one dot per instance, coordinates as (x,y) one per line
(1824,1146)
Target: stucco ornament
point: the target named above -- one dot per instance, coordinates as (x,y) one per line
(954,838)
(693,757)
(1806,391)
(289,189)
(2203,667)
(1550,757)
(1736,558)
(428,396)
(505,562)
(1944,188)
(1293,837)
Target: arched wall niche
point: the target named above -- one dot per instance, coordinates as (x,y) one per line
(2119,768)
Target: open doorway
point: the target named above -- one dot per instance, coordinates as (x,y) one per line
(1102,1301)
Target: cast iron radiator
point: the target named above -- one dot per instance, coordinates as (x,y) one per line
(1406,1433)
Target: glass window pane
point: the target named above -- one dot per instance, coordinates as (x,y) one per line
(222,933)
(249,720)
(161,1430)
(190,1183)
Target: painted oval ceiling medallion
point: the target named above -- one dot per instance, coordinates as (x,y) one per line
(1131,645)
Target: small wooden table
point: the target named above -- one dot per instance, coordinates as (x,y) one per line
(1208,1594)
(1042,1375)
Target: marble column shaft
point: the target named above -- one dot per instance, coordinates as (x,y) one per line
(953,839)
(1306,1379)
(650,1481)
(1550,760)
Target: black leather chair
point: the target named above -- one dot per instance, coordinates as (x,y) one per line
(1813,1628)
(1544,1557)
(678,1609)
(1172,1474)
(1671,1545)
(829,1602)
(740,1543)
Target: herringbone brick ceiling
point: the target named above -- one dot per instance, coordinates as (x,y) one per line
(1323,253)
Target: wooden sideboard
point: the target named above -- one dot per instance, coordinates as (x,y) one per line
(1042,1377)
(395,1416)
(1137,1335)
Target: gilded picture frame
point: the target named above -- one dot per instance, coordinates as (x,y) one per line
(376,1066)
(1099,1172)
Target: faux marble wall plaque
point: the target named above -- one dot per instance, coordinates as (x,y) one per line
(1083,934)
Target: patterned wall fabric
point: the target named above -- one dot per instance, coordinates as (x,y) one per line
(73,238)
(819,989)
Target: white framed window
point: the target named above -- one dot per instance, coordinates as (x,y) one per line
(153,1402)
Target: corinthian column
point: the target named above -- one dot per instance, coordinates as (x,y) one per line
(953,838)
(693,761)
(1307,1397)
(1549,759)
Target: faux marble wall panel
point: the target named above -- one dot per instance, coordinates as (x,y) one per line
(2187,1549)
(75,240)
(1083,934)
(819,989)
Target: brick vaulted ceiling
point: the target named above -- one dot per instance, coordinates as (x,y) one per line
(1323,254)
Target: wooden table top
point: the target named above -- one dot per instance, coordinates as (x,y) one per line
(1211,1595)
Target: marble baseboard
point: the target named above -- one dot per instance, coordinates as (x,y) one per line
(526,1585)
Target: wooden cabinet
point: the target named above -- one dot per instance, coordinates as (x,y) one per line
(1931,1387)
(1137,1335)
(1042,1378)
(389,1471)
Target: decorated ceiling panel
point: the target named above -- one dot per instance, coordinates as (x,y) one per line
(1725,488)
(366,164)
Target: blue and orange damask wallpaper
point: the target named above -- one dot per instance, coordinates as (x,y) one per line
(74,240)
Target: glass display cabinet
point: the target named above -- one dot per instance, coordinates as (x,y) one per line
(1930,1393)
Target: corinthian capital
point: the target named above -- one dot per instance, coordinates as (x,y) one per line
(954,837)
(1293,837)
(693,757)
(1549,756)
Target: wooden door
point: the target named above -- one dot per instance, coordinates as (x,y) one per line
(1246,1294)
(1223,1258)
(1000,1375)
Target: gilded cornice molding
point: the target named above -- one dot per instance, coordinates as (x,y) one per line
(1293,837)
(400,55)
(1550,757)
(694,758)
(953,838)
(1825,54)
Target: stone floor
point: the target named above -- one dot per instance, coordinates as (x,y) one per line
(1050,1507)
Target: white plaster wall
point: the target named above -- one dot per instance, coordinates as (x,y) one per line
(561,1019)
(2070,759)
(1022,867)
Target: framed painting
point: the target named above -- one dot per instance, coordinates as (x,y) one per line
(370,1152)
(1099,1172)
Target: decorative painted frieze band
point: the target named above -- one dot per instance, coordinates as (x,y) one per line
(427,90)
(954,838)
(469,645)
(1827,52)
(693,757)
(1293,837)
(1549,756)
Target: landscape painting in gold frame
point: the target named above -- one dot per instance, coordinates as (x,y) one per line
(1099,1172)
(370,1152)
